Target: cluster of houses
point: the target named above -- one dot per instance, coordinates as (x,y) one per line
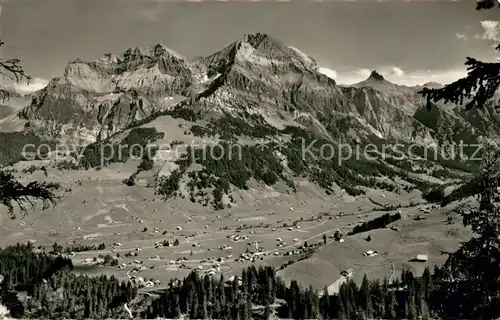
(215,268)
(248,257)
(294,252)
(166,243)
(225,247)
(131,254)
(141,282)
(280,243)
(237,237)
(89,260)
(425,209)
(137,280)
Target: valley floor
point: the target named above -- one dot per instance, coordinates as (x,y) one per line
(99,208)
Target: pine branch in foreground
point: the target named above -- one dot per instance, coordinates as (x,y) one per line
(477,88)
(480,84)
(12,191)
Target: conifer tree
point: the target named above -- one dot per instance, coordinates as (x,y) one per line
(390,309)
(410,308)
(480,84)
(267,310)
(364,299)
(469,285)
(378,299)
(325,302)
(11,190)
(470,276)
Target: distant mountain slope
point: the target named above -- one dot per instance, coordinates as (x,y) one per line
(266,96)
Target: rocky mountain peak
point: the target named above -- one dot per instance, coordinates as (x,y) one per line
(160,50)
(260,51)
(154,51)
(259,39)
(374,75)
(130,60)
(266,46)
(377,81)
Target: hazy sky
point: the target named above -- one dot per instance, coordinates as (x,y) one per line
(407,41)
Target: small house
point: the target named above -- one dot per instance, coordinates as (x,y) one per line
(422,257)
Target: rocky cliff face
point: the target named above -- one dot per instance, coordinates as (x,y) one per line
(260,72)
(97,99)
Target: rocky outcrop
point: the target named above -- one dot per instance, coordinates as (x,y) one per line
(107,95)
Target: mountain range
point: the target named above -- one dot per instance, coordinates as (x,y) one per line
(260,93)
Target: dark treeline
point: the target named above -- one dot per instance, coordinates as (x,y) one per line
(57,248)
(53,290)
(20,266)
(104,152)
(377,223)
(82,248)
(261,293)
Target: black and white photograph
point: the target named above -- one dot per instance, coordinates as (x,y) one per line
(250,160)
